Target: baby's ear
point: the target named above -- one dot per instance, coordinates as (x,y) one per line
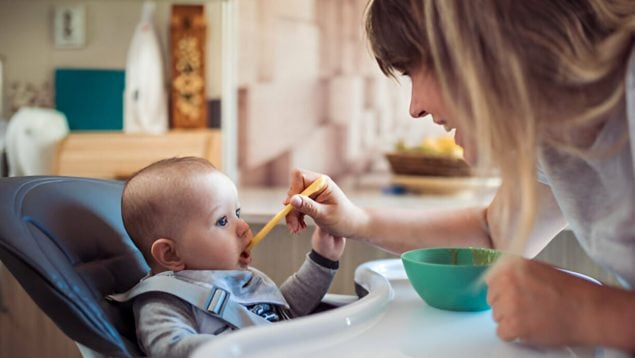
(165,254)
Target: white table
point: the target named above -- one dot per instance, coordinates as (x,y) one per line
(391,321)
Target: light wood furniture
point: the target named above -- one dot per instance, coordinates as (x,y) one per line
(117,155)
(25,331)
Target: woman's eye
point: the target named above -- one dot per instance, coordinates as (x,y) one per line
(222,221)
(237,213)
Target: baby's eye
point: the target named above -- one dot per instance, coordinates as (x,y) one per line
(237,213)
(222,221)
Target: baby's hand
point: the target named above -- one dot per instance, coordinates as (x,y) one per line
(327,245)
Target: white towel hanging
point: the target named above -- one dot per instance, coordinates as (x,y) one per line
(145,103)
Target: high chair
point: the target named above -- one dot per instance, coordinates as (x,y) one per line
(64,241)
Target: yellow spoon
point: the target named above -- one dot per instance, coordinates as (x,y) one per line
(310,190)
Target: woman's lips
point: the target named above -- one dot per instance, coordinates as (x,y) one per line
(443,123)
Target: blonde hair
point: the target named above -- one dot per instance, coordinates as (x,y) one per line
(519,70)
(155,199)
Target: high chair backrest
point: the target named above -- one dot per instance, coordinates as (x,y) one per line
(64,241)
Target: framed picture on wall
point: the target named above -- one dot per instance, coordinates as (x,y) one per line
(69,26)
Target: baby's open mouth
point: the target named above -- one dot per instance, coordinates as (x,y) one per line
(245,257)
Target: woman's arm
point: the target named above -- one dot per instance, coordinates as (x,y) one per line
(549,222)
(399,230)
(611,319)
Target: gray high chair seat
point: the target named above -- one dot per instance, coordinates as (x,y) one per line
(64,241)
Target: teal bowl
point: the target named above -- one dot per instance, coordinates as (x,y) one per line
(450,278)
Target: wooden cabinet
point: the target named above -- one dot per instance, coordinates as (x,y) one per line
(117,155)
(25,331)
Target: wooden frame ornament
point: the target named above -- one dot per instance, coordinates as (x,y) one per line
(188,33)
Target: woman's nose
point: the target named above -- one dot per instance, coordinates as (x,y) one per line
(416,109)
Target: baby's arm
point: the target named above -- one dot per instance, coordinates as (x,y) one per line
(305,289)
(327,245)
(167,326)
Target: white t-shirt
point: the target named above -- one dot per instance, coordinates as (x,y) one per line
(597,195)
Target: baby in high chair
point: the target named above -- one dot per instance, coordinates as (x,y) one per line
(184,216)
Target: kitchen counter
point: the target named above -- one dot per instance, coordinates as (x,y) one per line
(260,204)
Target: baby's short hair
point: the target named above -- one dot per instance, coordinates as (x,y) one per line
(154,199)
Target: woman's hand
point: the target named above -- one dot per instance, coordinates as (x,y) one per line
(327,245)
(330,209)
(539,304)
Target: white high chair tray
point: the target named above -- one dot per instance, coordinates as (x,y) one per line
(391,321)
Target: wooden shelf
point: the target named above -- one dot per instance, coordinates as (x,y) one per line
(117,155)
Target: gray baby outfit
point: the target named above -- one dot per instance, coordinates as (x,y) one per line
(168,326)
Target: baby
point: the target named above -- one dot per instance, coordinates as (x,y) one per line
(184,216)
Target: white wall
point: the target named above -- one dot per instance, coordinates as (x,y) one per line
(26,38)
(312,96)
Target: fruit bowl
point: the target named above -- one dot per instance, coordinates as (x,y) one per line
(438,157)
(414,163)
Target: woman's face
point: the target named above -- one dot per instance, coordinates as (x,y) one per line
(427,98)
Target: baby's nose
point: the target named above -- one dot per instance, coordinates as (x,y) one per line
(243,229)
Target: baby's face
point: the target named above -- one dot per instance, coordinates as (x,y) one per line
(215,237)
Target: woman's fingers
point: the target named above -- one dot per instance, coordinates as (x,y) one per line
(300,179)
(506,331)
(329,207)
(306,206)
(537,303)
(503,296)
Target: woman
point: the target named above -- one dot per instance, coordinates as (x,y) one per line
(543,91)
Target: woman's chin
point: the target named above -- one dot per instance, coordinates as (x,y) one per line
(467,150)
(469,158)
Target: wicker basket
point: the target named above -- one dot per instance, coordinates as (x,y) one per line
(422,164)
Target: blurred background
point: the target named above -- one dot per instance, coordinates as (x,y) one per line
(285,83)
(102,88)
